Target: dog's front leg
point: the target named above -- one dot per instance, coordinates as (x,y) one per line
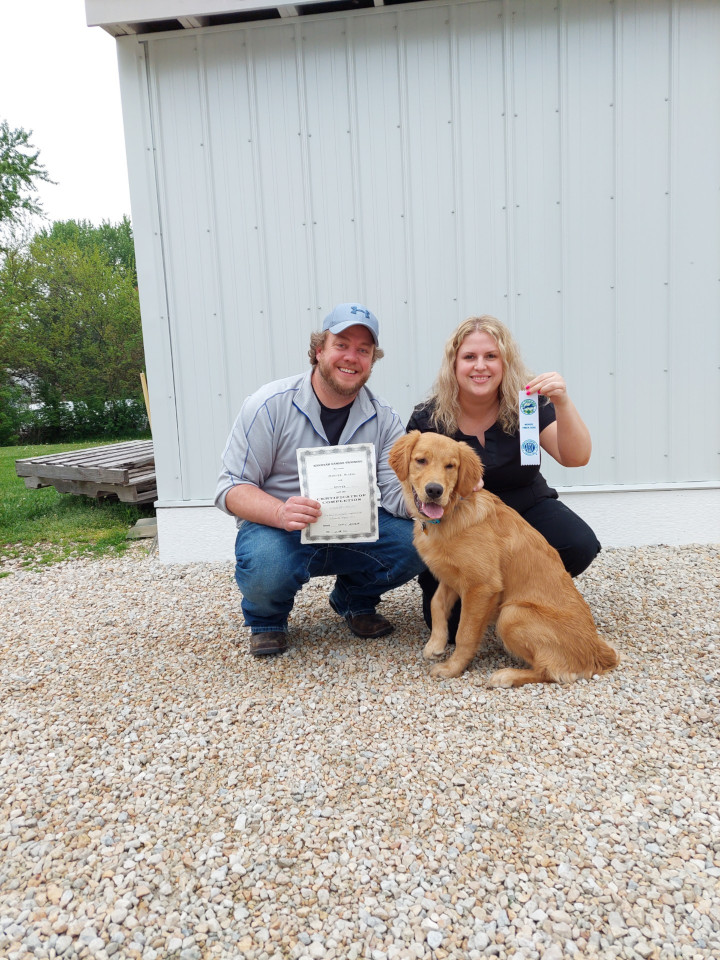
(478,606)
(441,605)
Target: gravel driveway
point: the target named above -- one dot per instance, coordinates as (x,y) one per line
(165,795)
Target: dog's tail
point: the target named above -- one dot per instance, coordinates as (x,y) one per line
(606,658)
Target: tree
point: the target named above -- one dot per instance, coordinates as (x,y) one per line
(14,395)
(70,318)
(113,240)
(19,175)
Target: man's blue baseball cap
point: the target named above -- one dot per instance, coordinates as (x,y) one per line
(347,315)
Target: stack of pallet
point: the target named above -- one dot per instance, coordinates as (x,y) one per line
(122,470)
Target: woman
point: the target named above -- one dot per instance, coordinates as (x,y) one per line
(475,399)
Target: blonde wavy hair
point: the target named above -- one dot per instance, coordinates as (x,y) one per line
(444,396)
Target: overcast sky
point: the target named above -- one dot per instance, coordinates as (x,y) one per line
(59,78)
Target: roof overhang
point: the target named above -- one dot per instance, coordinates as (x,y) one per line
(123,17)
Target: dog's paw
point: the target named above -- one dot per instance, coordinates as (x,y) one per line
(502,678)
(434,650)
(446,671)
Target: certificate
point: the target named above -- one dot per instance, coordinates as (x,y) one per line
(343,481)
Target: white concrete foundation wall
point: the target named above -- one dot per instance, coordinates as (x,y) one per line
(640,518)
(191,533)
(194,533)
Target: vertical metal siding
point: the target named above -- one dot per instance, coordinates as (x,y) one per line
(553,162)
(532,113)
(483,183)
(330,170)
(641,197)
(138,111)
(189,243)
(429,211)
(587,209)
(379,138)
(693,267)
(241,262)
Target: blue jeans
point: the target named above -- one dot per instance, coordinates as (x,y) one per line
(272,565)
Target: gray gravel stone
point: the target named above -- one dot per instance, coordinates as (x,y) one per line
(166,795)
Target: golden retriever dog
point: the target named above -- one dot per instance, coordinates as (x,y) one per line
(500,567)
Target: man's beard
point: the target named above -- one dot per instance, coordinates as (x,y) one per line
(327,372)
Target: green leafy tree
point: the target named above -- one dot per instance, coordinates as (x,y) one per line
(20,172)
(70,327)
(14,395)
(113,240)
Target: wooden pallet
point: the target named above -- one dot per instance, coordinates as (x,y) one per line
(122,470)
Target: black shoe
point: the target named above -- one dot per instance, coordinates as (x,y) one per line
(268,644)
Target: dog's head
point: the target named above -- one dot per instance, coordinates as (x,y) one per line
(435,472)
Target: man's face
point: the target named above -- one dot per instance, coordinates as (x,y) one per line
(345,361)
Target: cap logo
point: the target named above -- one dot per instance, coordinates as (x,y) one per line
(365,313)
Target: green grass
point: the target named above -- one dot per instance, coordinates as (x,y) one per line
(44,526)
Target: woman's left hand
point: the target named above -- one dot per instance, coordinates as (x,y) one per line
(550,385)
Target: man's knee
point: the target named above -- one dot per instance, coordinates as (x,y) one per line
(396,540)
(264,558)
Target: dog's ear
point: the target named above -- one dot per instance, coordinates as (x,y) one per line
(399,456)
(470,470)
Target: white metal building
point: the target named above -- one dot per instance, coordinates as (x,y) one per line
(555,163)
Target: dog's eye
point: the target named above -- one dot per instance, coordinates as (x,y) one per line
(421,461)
(449,466)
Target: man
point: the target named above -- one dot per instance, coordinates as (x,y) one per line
(326,406)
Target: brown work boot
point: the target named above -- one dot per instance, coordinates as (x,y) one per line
(369,626)
(268,644)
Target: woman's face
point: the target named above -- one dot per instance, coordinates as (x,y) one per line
(478,368)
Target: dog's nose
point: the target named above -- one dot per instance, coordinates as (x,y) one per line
(433,490)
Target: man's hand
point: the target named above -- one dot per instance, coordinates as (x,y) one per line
(297,513)
(250,503)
